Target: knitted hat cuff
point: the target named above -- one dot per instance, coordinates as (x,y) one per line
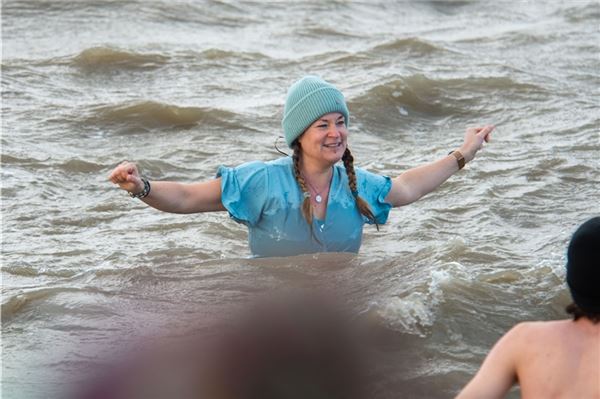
(307,96)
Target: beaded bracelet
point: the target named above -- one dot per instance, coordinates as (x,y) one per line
(144,193)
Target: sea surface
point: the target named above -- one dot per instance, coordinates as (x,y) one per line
(182,87)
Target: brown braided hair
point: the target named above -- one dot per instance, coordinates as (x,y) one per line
(348,160)
(362,205)
(306,206)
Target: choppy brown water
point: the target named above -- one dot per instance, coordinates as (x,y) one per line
(183,87)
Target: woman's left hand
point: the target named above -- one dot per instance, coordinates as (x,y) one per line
(474,139)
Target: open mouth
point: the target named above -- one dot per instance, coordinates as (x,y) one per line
(333,145)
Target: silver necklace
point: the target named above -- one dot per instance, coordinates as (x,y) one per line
(318,197)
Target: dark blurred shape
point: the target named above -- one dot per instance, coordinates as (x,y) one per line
(282,346)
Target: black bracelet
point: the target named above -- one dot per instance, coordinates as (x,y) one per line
(144,193)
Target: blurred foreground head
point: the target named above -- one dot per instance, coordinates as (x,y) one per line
(284,346)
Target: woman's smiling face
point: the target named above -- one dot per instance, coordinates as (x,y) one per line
(325,140)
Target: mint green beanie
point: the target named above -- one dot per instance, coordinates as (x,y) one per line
(307,100)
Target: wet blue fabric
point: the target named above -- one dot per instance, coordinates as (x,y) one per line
(266,197)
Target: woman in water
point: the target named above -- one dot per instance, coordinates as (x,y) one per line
(308,202)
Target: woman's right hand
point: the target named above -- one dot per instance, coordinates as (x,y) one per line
(127,177)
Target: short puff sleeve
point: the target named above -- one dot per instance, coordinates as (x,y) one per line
(374,188)
(244,191)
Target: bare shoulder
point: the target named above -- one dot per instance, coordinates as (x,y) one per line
(544,350)
(528,333)
(535,327)
(540,336)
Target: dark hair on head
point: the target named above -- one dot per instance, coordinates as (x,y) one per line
(348,160)
(578,313)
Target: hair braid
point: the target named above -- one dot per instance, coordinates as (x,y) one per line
(362,205)
(306,206)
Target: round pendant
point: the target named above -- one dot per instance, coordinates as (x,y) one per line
(318,198)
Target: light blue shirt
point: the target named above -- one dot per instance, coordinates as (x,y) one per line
(266,197)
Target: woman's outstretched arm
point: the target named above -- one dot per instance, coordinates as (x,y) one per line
(416,182)
(170,196)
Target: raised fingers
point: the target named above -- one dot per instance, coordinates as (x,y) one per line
(486,131)
(117,174)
